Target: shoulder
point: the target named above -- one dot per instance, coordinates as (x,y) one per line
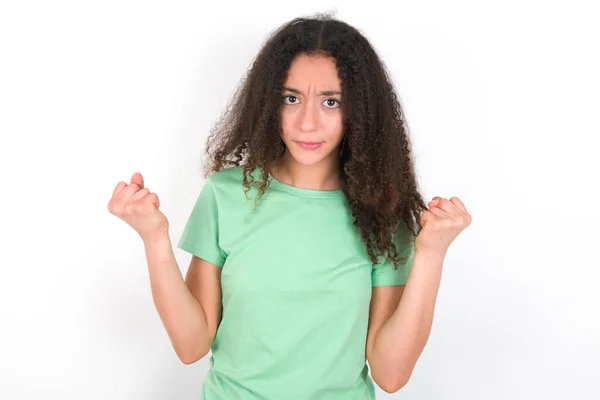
(231,175)
(228,182)
(225,175)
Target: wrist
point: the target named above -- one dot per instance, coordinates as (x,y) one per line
(431,255)
(155,237)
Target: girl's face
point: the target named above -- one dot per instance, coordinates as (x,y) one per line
(311,112)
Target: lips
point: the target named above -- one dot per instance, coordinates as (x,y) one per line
(309,145)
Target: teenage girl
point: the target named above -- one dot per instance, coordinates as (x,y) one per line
(312,249)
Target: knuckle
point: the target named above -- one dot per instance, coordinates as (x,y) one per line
(128,209)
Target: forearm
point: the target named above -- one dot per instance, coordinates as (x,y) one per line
(179,310)
(403,336)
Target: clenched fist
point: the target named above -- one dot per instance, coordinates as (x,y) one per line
(138,207)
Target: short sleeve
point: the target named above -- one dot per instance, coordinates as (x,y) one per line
(384,274)
(200,235)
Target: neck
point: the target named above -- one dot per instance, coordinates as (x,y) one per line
(325,175)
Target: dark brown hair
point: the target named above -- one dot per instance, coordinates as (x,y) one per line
(376,159)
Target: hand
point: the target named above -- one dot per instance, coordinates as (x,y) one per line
(442,223)
(138,207)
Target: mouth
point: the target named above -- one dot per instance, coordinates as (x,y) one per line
(309,145)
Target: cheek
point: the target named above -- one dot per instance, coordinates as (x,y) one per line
(287,123)
(336,127)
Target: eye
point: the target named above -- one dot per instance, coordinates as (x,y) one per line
(292,98)
(332,103)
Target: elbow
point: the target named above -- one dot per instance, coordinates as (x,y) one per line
(188,359)
(391,376)
(393,385)
(190,356)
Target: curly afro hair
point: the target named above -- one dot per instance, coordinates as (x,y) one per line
(376,156)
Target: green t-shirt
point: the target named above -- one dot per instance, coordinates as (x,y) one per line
(296,282)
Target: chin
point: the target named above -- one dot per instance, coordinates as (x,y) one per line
(307,158)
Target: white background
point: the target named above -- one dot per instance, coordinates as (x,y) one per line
(502,104)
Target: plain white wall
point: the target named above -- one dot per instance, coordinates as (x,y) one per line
(502,104)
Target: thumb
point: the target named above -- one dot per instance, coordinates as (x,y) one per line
(434,202)
(138,179)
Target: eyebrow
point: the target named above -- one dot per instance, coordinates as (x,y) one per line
(323,93)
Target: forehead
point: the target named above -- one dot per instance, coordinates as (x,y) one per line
(319,71)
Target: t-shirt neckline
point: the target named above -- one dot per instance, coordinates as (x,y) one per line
(305,192)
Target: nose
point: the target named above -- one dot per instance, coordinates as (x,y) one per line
(308,117)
